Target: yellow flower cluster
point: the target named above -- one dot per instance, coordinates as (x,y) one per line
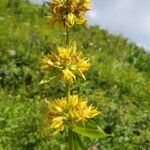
(67,62)
(59,114)
(68,12)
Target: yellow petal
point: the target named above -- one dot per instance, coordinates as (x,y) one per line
(80,20)
(68,76)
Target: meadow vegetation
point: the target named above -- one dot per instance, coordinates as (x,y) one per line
(118,82)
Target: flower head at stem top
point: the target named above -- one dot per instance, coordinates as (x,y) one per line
(68,12)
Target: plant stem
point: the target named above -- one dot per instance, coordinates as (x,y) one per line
(68,92)
(70,136)
(67,84)
(70,133)
(67,36)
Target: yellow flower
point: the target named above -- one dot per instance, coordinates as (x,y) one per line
(69,19)
(65,53)
(47,62)
(59,114)
(82,66)
(69,12)
(68,76)
(57,124)
(56,6)
(80,111)
(80,20)
(67,62)
(84,5)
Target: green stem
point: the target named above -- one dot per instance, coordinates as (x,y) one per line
(70,132)
(70,136)
(67,36)
(67,92)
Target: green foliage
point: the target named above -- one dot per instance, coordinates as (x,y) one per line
(117,83)
(89,132)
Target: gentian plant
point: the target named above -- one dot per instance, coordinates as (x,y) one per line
(71,113)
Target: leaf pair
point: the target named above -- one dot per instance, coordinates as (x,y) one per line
(91,133)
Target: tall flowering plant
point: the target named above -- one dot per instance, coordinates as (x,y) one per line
(71,113)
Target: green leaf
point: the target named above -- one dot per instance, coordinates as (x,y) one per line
(91,124)
(91,133)
(78,145)
(75,142)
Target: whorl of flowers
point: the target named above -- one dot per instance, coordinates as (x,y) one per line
(59,114)
(68,12)
(68,62)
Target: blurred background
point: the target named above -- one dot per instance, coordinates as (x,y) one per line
(118,83)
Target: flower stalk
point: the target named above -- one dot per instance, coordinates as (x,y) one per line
(70,132)
(67,63)
(67,36)
(70,137)
(67,92)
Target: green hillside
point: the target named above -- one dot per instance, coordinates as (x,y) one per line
(118,82)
